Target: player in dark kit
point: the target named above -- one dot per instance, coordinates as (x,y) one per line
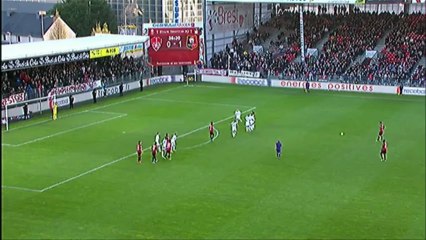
(139,151)
(307,85)
(381,131)
(211,130)
(278,146)
(384,150)
(154,150)
(26,111)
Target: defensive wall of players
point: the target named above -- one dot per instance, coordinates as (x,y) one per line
(83,92)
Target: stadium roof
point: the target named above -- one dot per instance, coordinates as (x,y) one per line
(24,24)
(21,18)
(25,7)
(54,47)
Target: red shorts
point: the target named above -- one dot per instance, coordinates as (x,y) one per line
(211,133)
(168,150)
(383,151)
(380,133)
(139,154)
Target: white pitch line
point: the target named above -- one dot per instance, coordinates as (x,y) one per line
(103,112)
(8,145)
(82,174)
(21,188)
(372,97)
(132,154)
(67,131)
(192,102)
(204,143)
(202,86)
(217,122)
(96,108)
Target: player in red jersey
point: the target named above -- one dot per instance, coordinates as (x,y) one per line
(169,149)
(211,130)
(384,150)
(381,131)
(154,150)
(139,151)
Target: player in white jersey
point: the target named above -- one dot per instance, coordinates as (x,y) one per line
(163,150)
(253,121)
(238,115)
(247,123)
(250,122)
(157,141)
(234,126)
(173,140)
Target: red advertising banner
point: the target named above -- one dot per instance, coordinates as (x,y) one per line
(173,46)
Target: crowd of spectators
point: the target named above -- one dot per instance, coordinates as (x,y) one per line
(405,46)
(37,82)
(350,35)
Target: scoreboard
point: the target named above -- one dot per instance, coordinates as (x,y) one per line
(174,46)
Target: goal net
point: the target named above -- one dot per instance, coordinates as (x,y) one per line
(16,112)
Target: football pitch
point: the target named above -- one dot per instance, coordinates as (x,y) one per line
(77,177)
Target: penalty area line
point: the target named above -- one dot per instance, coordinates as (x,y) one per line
(204,143)
(82,174)
(217,122)
(21,188)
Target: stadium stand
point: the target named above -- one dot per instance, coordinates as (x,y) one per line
(347,36)
(37,82)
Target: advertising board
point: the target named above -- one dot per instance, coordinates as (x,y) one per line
(414,91)
(104,52)
(229,17)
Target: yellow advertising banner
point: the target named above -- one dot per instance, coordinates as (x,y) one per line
(104,52)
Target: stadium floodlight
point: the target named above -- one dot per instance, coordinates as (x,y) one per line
(42,14)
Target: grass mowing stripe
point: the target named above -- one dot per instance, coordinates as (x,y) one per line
(67,131)
(93,109)
(85,173)
(194,102)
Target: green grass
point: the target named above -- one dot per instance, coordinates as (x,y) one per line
(326,186)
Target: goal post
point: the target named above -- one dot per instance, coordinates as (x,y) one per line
(15,111)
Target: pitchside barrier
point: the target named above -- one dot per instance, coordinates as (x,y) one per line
(12,106)
(330,86)
(83,92)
